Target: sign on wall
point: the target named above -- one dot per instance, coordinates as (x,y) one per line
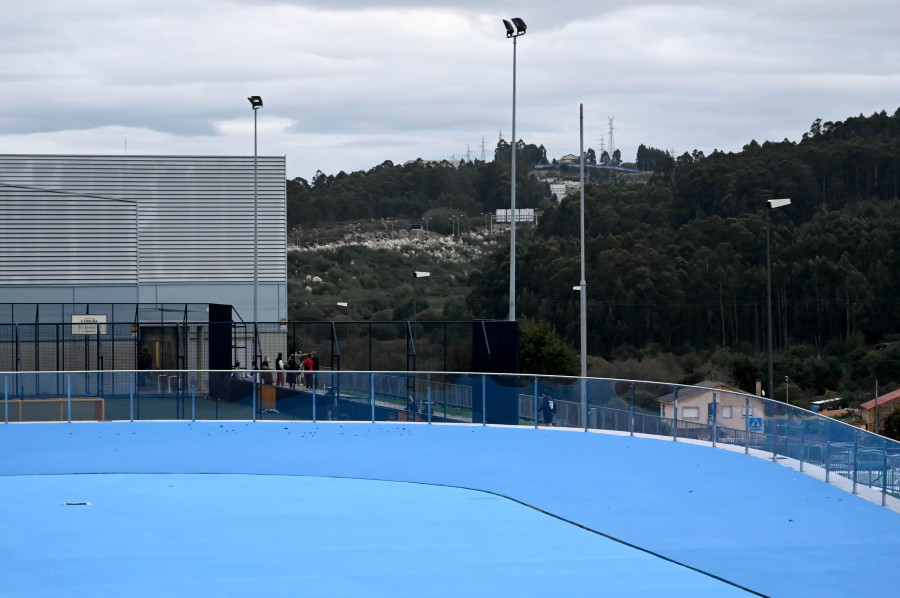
(88,324)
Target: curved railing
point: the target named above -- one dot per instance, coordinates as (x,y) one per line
(784,433)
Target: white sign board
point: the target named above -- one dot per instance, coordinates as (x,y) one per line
(85,324)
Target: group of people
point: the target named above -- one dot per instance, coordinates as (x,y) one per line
(285,374)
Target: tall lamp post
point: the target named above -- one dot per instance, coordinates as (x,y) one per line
(771,204)
(256,103)
(513,30)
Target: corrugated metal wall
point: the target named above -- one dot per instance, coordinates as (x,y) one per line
(139,219)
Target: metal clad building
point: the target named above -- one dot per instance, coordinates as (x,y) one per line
(142,229)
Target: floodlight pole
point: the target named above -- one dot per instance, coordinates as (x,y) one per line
(770,205)
(513,33)
(512,202)
(256,103)
(583,283)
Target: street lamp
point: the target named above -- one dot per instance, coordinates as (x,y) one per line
(513,30)
(771,204)
(256,103)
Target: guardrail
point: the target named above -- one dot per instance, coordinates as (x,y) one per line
(783,433)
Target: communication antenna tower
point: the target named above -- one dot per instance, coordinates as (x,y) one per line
(612,146)
(482,148)
(602,145)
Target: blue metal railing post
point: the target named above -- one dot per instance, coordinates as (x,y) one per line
(254,402)
(5,399)
(746,425)
(775,433)
(675,415)
(535,402)
(584,399)
(428,395)
(884,473)
(715,428)
(631,419)
(827,454)
(193,404)
(315,384)
(131,396)
(372,393)
(69,395)
(483,400)
(802,441)
(855,459)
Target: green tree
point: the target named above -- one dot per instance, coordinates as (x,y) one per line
(542,351)
(891,425)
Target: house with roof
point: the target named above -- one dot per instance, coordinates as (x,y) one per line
(695,406)
(879,406)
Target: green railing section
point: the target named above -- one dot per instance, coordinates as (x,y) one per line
(783,433)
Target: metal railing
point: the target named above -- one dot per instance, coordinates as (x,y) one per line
(783,433)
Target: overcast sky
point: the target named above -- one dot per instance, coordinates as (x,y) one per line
(349,84)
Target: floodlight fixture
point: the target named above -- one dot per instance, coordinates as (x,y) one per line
(510,30)
(255,102)
(520,25)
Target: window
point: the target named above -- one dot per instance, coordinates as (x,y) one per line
(746,411)
(727,411)
(690,413)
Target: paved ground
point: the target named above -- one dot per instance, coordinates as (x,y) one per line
(748,521)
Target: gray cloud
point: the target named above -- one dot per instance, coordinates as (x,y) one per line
(347,87)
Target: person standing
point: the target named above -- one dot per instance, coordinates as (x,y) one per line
(279,370)
(266,373)
(291,370)
(548,408)
(308,367)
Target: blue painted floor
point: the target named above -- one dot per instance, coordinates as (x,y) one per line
(749,521)
(246,535)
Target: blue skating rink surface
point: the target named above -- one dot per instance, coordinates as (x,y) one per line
(359,509)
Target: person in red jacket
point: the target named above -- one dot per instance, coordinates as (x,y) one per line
(308,368)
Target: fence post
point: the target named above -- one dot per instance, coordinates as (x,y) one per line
(314,397)
(428,395)
(483,400)
(775,432)
(802,441)
(675,415)
(193,404)
(584,399)
(254,402)
(746,425)
(5,399)
(535,402)
(715,429)
(884,472)
(827,455)
(372,393)
(855,457)
(131,395)
(631,419)
(69,395)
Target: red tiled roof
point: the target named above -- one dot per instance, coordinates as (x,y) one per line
(886,398)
